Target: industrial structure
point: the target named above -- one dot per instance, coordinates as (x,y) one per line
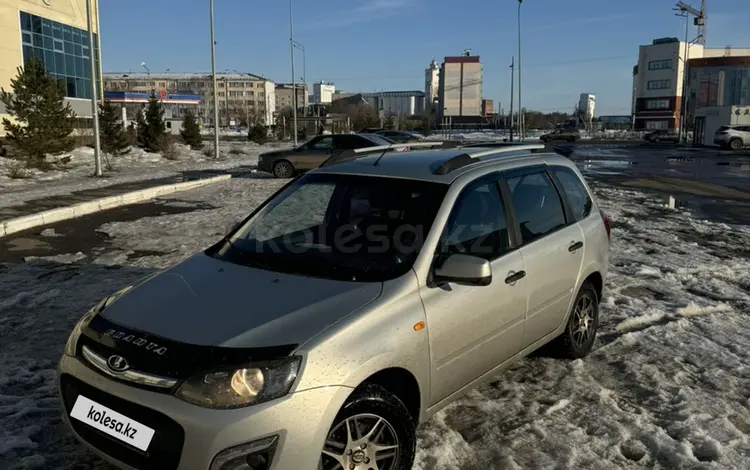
(243,97)
(431,85)
(396,103)
(57,34)
(460,87)
(586,109)
(323,92)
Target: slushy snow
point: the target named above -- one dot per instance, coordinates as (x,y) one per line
(667,385)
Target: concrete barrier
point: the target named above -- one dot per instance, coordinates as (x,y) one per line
(59,214)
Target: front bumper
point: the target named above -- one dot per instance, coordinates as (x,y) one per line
(265,164)
(188,436)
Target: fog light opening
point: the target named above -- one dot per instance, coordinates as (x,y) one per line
(256,455)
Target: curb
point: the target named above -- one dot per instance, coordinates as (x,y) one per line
(97,205)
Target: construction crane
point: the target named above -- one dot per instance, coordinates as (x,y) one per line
(699,19)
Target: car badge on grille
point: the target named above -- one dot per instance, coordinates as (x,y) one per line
(118,363)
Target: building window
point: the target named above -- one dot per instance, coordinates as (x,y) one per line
(660,64)
(657,104)
(659,84)
(236,93)
(64,51)
(653,125)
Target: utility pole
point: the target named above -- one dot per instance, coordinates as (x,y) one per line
(685,79)
(512,74)
(520,107)
(94,94)
(216,86)
(294,86)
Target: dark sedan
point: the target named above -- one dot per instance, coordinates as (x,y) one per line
(311,154)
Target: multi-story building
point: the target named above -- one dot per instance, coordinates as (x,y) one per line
(243,97)
(719,94)
(488,107)
(399,103)
(660,80)
(431,84)
(284,96)
(55,32)
(323,92)
(460,90)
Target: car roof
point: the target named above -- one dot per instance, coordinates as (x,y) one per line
(422,164)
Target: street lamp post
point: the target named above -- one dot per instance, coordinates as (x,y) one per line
(294,80)
(216,87)
(304,74)
(520,107)
(685,77)
(94,94)
(512,73)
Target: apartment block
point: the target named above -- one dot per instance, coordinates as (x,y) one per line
(242,97)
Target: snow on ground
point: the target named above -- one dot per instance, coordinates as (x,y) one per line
(668,385)
(134,166)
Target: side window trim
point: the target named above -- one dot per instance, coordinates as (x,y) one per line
(487,179)
(514,228)
(561,190)
(511,215)
(567,211)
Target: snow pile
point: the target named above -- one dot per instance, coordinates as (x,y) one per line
(75,175)
(668,385)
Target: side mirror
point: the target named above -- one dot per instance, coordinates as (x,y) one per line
(465,270)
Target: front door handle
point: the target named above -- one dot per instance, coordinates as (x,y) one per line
(575,246)
(513,278)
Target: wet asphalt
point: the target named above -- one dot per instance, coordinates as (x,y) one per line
(714,184)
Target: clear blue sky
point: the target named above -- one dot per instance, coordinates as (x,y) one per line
(569,46)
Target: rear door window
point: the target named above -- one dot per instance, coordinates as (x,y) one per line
(346,142)
(575,192)
(537,205)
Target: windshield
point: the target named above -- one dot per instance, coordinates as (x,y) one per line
(353,228)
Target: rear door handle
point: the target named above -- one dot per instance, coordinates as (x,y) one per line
(575,246)
(513,278)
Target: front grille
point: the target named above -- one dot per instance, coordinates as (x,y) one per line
(165,449)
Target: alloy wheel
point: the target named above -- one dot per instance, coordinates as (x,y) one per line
(361,442)
(282,170)
(584,321)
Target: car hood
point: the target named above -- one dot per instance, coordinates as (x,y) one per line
(205,301)
(276,153)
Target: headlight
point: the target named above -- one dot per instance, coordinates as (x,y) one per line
(70,346)
(238,387)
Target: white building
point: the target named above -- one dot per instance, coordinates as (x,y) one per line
(398,103)
(587,107)
(431,84)
(658,80)
(323,92)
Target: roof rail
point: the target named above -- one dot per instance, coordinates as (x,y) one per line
(352,154)
(464,159)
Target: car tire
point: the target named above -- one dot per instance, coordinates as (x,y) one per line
(283,169)
(735,144)
(373,408)
(572,344)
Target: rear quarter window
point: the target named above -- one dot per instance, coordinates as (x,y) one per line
(574,192)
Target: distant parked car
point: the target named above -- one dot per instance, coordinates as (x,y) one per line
(733,137)
(401,137)
(567,135)
(662,135)
(286,163)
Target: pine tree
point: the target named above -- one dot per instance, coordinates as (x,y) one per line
(151,127)
(113,137)
(43,121)
(190,132)
(258,134)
